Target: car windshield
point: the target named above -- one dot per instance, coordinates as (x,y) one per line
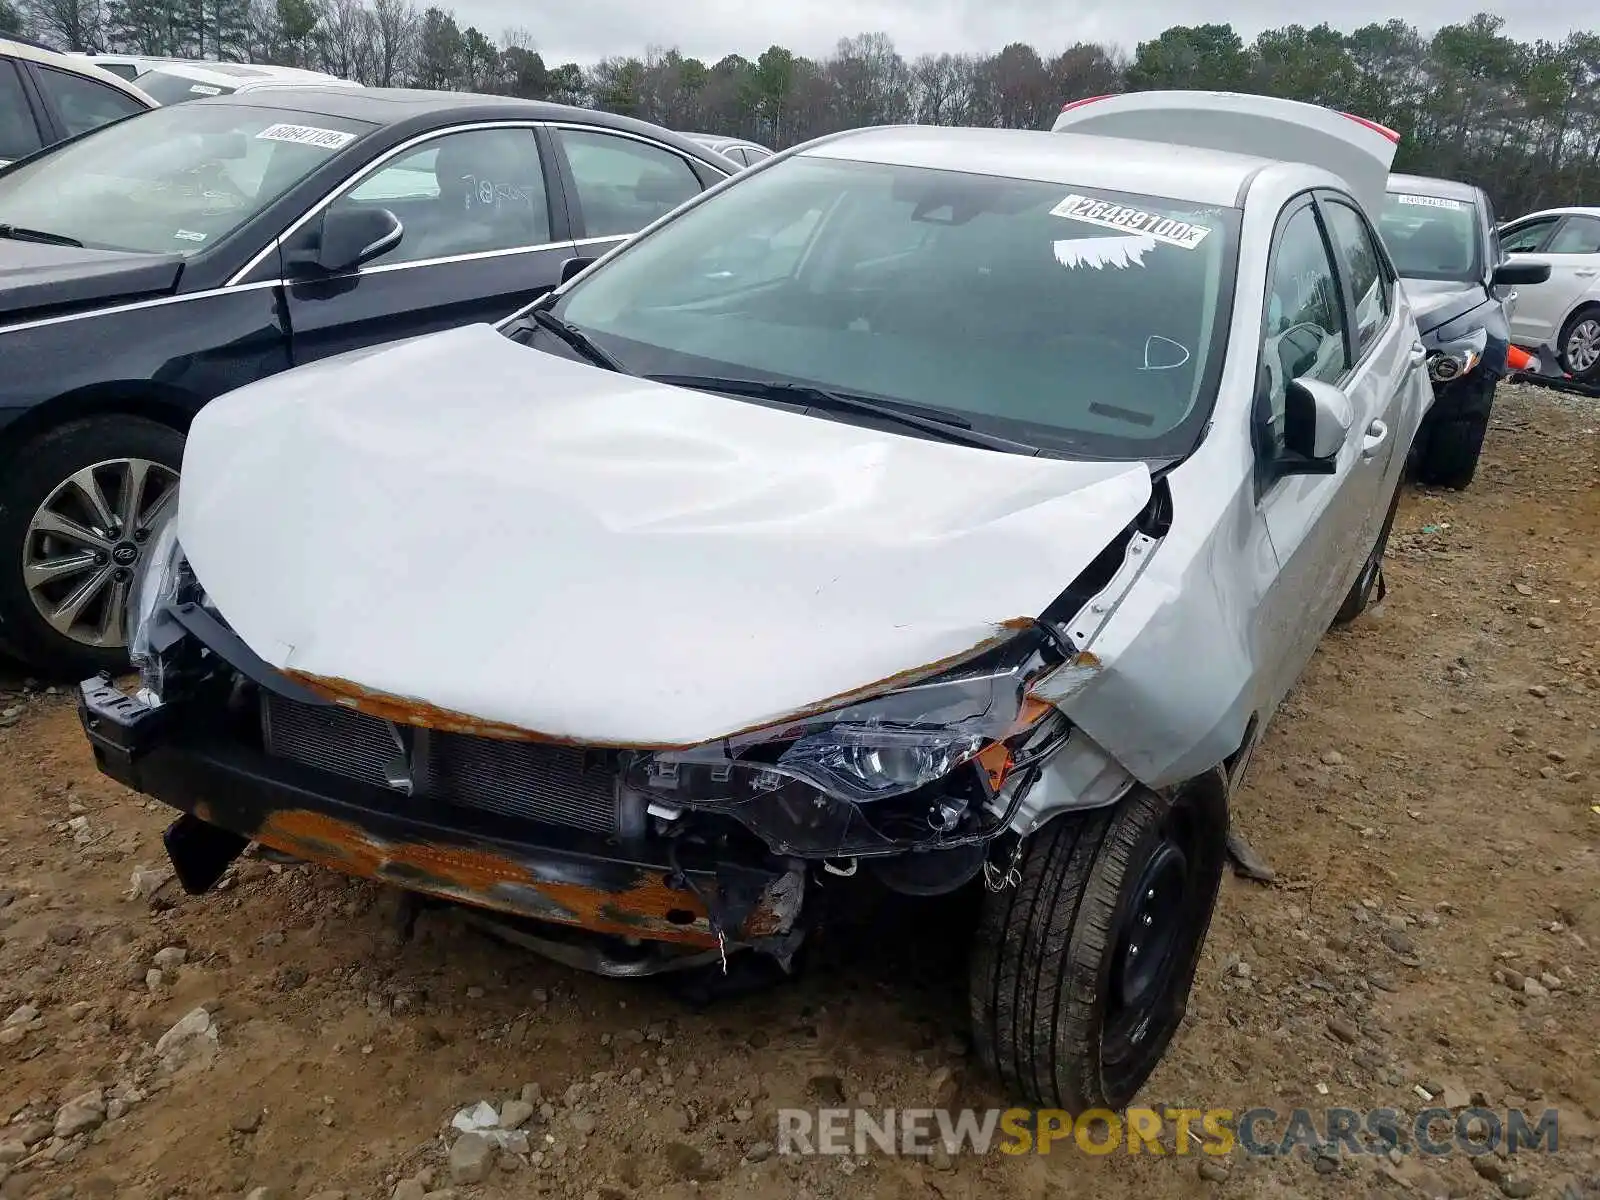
(166,87)
(172,180)
(1073,318)
(1431,237)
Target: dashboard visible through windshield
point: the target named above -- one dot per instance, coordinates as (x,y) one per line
(1065,317)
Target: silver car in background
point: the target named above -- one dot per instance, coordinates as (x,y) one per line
(742,151)
(954,506)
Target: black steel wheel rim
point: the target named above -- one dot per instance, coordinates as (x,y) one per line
(1154,940)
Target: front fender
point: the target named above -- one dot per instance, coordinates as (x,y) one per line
(1179,678)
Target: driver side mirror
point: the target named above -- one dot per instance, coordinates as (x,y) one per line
(351,237)
(1513,273)
(572,266)
(1316,421)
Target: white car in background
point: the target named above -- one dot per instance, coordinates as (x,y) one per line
(124,66)
(174,81)
(47,97)
(1563,313)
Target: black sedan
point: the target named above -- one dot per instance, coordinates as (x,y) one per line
(154,264)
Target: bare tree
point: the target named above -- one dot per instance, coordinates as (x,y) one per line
(347,37)
(70,24)
(397,28)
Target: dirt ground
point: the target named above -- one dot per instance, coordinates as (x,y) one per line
(1429,796)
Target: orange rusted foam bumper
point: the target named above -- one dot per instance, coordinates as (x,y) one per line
(502,864)
(636,901)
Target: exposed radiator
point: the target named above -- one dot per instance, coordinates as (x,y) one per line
(554,785)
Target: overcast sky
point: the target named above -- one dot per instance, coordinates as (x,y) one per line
(564,31)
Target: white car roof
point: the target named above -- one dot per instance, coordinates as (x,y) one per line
(1577,210)
(74,64)
(243,76)
(1184,173)
(1353,148)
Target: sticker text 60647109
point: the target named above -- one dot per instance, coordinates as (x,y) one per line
(307,135)
(1123,219)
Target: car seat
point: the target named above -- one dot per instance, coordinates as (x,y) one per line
(488,200)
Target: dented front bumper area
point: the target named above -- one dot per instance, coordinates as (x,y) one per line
(677,853)
(686,899)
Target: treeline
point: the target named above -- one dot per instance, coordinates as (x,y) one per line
(1522,119)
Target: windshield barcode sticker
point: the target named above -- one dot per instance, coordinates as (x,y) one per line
(1131,221)
(204,89)
(307,135)
(189,235)
(1429,201)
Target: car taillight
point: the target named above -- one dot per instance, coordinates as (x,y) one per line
(1072,104)
(1374,126)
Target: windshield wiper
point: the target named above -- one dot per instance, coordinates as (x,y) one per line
(945,426)
(577,339)
(18,234)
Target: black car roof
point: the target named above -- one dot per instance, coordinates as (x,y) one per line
(420,109)
(1445,189)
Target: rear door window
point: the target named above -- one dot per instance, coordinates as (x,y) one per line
(624,184)
(1580,235)
(83,104)
(19,135)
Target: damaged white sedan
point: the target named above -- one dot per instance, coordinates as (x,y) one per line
(951,505)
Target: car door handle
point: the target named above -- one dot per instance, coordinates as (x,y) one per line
(1377,434)
(1587,273)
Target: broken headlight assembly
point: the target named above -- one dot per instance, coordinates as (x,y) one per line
(163,578)
(1458,356)
(922,766)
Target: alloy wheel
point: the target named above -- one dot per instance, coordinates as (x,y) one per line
(1583,345)
(84,544)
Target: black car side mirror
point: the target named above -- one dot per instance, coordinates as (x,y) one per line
(350,237)
(1513,273)
(572,266)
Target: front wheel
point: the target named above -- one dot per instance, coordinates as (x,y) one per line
(1081,972)
(1451,439)
(78,506)
(1580,345)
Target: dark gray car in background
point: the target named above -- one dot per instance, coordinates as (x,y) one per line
(1441,235)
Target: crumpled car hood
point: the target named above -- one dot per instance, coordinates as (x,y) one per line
(550,548)
(1437,302)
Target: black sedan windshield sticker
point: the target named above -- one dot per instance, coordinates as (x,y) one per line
(1123,219)
(307,135)
(1429,201)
